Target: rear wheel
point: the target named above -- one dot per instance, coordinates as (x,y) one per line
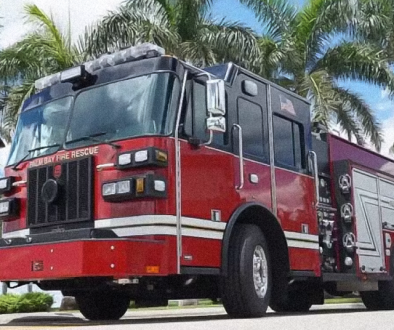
(383,299)
(102,305)
(246,289)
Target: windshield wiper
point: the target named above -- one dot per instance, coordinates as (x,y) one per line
(92,137)
(15,167)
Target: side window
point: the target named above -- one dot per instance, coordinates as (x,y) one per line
(250,117)
(288,143)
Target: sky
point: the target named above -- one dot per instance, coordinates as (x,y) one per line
(86,12)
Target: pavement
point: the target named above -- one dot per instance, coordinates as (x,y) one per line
(75,319)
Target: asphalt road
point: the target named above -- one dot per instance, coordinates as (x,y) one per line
(331,317)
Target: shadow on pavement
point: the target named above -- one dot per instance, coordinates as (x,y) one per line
(69,319)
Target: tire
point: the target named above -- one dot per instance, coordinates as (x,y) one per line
(246,289)
(295,301)
(102,305)
(383,299)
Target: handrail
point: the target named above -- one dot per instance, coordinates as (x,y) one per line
(241,157)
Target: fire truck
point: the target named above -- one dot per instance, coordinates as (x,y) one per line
(137,176)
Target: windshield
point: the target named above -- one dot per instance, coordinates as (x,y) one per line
(127,108)
(144,105)
(39,127)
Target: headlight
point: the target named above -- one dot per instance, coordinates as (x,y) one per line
(146,157)
(9,209)
(6,184)
(141,156)
(148,185)
(159,185)
(109,189)
(4,207)
(123,187)
(124,159)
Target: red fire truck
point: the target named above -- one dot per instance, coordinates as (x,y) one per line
(137,176)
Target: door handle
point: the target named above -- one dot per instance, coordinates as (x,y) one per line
(241,158)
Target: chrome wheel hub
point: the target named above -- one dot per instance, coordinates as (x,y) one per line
(260,271)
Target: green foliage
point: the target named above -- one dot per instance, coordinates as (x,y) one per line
(25,303)
(183,27)
(43,51)
(303,51)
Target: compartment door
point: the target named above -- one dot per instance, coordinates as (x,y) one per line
(368,222)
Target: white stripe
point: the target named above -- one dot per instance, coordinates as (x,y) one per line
(162,230)
(301,236)
(303,245)
(158,220)
(17,233)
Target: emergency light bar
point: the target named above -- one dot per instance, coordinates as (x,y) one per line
(145,50)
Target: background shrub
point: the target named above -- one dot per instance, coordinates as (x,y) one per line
(25,303)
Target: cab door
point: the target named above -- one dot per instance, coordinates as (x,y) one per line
(207,184)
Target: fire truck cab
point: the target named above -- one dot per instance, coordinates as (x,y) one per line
(137,176)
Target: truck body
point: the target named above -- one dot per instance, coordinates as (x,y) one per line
(137,176)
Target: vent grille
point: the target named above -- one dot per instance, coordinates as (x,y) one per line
(74,198)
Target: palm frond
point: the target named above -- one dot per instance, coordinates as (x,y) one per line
(358,61)
(14,101)
(391,150)
(277,15)
(135,22)
(229,41)
(362,115)
(319,88)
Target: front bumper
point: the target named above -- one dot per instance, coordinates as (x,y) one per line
(102,257)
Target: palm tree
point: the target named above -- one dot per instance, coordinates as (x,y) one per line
(40,53)
(312,49)
(183,27)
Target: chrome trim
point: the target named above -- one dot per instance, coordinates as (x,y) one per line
(19,183)
(100,167)
(241,158)
(260,272)
(16,233)
(230,66)
(316,176)
(272,152)
(178,191)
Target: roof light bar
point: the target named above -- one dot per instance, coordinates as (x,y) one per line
(72,74)
(145,50)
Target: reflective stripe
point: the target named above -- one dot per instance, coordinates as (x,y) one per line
(163,225)
(301,237)
(159,220)
(17,233)
(302,245)
(163,230)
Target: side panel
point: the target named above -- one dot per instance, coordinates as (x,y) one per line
(368,221)
(387,202)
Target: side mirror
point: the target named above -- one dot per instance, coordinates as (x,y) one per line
(216,124)
(216,97)
(216,106)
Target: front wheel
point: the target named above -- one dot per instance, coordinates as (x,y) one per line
(246,289)
(102,305)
